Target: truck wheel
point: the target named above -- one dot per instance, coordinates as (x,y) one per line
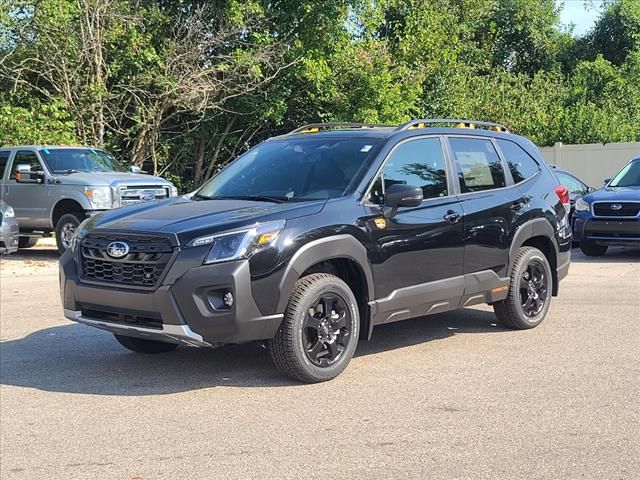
(142,345)
(27,242)
(591,249)
(65,228)
(529,291)
(319,332)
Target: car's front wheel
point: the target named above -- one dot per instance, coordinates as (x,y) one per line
(530,291)
(65,228)
(142,345)
(591,249)
(319,332)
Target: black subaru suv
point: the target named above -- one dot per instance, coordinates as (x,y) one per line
(310,239)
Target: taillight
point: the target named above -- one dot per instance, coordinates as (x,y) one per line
(563,195)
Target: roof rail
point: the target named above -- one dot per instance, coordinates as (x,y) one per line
(314,127)
(423,123)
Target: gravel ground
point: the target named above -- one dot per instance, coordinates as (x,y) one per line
(448,396)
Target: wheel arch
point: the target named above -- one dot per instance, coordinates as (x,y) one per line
(540,234)
(340,255)
(64,206)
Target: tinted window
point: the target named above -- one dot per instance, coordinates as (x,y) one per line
(521,165)
(417,162)
(25,158)
(4,159)
(298,169)
(477,164)
(572,183)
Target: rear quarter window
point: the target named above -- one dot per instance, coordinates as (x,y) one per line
(521,164)
(4,159)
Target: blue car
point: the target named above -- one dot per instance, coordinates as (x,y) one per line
(610,216)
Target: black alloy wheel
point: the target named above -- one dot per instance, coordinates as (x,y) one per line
(326,332)
(534,288)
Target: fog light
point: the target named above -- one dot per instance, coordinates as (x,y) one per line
(228,299)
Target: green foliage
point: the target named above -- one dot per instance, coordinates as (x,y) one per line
(183,86)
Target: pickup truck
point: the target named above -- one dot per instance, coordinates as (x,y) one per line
(54,188)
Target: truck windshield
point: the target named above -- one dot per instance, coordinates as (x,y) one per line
(70,160)
(293,170)
(629,176)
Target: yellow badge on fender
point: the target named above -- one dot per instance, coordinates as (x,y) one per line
(380,223)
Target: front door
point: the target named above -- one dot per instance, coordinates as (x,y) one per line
(417,254)
(28,197)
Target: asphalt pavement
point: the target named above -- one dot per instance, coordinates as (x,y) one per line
(451,396)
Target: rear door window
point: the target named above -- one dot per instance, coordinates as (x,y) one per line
(477,164)
(520,163)
(4,160)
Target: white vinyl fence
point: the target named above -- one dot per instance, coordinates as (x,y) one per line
(592,162)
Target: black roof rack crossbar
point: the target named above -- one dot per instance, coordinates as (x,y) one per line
(422,123)
(336,125)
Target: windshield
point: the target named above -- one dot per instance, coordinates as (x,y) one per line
(629,176)
(290,170)
(70,160)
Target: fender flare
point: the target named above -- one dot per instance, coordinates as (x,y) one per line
(320,250)
(538,227)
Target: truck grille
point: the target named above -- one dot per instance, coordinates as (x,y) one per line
(142,267)
(137,194)
(616,209)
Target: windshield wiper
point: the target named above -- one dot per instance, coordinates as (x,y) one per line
(255,198)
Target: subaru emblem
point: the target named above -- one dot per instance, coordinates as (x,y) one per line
(117,249)
(147,197)
(616,206)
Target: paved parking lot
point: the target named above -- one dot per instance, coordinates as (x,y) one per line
(448,396)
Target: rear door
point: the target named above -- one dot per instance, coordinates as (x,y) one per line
(490,203)
(417,256)
(29,199)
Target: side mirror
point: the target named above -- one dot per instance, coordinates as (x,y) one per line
(25,175)
(401,195)
(135,169)
(606,181)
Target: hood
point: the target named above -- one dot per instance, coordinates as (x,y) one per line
(614,194)
(189,218)
(110,179)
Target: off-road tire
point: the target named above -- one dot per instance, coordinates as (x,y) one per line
(75,219)
(142,345)
(591,249)
(287,347)
(27,242)
(510,311)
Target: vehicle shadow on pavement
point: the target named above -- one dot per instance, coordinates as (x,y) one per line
(613,255)
(77,359)
(32,255)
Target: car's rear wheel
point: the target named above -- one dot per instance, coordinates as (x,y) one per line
(142,345)
(530,291)
(65,228)
(319,332)
(593,249)
(27,242)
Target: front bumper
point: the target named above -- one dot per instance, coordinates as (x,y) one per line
(184,309)
(9,237)
(606,231)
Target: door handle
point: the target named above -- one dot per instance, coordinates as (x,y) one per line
(517,206)
(452,217)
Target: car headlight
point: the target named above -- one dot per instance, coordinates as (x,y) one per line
(239,244)
(79,234)
(100,197)
(582,205)
(9,212)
